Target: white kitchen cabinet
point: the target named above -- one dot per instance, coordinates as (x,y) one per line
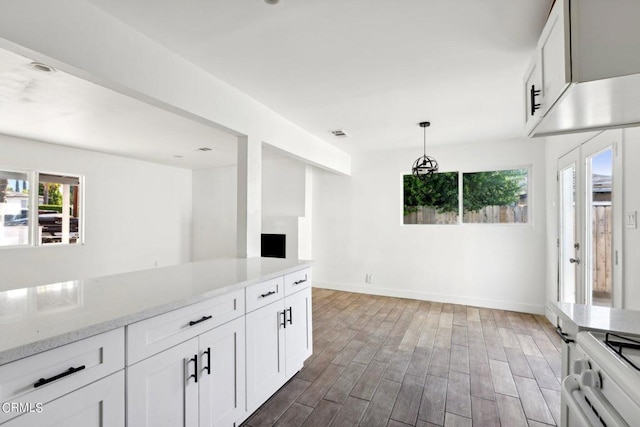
(279,339)
(298,338)
(100,404)
(199,382)
(550,71)
(532,95)
(554,59)
(265,353)
(581,77)
(222,378)
(161,390)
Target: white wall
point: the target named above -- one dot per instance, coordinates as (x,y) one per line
(357,230)
(137,214)
(283,187)
(214,213)
(631,203)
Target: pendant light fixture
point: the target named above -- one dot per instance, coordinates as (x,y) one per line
(426,165)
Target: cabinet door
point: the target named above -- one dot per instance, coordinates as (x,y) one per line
(265,353)
(299,342)
(100,404)
(532,95)
(554,54)
(161,391)
(222,380)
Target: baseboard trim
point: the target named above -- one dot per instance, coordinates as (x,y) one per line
(426,296)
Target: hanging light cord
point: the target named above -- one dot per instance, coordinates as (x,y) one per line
(424,140)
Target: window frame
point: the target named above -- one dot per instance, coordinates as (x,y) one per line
(528,168)
(81,218)
(33,177)
(530,197)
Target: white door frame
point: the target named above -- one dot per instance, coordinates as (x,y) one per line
(579,155)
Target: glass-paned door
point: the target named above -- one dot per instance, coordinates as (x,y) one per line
(599,227)
(569,230)
(586,223)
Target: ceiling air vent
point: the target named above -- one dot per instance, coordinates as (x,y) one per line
(339,133)
(204,149)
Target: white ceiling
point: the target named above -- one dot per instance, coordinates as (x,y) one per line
(60,108)
(373,68)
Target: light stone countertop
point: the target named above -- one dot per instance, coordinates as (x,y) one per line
(40,318)
(590,317)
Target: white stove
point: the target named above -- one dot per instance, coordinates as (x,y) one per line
(603,387)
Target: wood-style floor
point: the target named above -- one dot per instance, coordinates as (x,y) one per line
(381,361)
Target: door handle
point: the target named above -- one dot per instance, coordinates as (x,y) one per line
(574,260)
(208,367)
(194,359)
(533,93)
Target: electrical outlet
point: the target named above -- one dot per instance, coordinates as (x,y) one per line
(368,278)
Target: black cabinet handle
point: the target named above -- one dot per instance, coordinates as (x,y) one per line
(194,359)
(202,319)
(267,294)
(284,317)
(208,367)
(43,381)
(301,280)
(290,310)
(533,94)
(564,337)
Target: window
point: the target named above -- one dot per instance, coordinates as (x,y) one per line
(58,209)
(432,199)
(14,208)
(495,197)
(492,197)
(52,215)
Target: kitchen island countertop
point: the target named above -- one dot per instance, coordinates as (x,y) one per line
(40,318)
(591,317)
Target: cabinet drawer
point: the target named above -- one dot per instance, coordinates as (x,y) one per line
(297,281)
(153,335)
(100,404)
(264,293)
(48,375)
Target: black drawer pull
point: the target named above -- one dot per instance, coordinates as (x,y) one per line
(195,322)
(301,280)
(564,337)
(290,310)
(267,294)
(43,381)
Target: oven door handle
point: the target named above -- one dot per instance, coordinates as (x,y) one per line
(564,337)
(570,384)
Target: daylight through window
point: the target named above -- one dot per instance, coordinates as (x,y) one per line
(58,209)
(431,199)
(491,197)
(14,208)
(495,197)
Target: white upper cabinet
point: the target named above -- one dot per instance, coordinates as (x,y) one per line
(585,71)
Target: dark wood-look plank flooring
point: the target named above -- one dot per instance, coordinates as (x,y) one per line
(381,361)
